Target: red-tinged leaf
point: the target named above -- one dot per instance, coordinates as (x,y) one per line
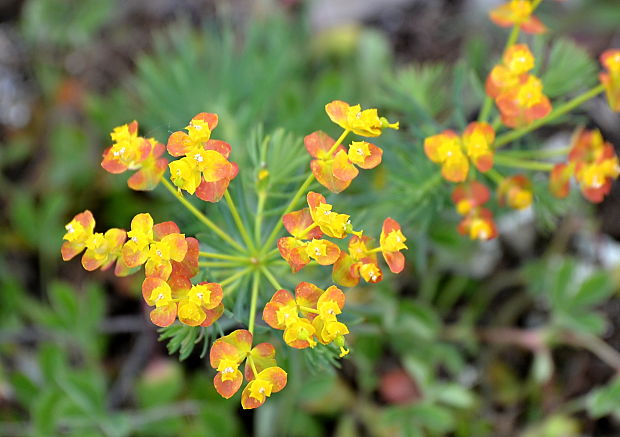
(323,172)
(71,249)
(293,253)
(179,285)
(596,195)
(150,284)
(248,402)
(219,146)
(241,339)
(210,118)
(333,294)
(222,350)
(189,266)
(484,163)
(264,356)
(132,256)
(212,315)
(133,127)
(212,191)
(318,144)
(92,260)
(533,25)
(178,144)
(337,112)
(276,376)
(111,163)
(215,294)
(148,177)
(342,167)
(121,269)
(475,192)
(307,295)
(228,388)
(559,180)
(395,261)
(160,230)
(270,313)
(158,268)
(502,16)
(342,273)
(333,252)
(164,315)
(372,160)
(297,221)
(177,246)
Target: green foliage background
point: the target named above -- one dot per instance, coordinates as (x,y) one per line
(78,357)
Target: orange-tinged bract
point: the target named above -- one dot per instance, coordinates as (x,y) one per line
(611,77)
(204,168)
(517,12)
(478,222)
(392,241)
(132,152)
(360,261)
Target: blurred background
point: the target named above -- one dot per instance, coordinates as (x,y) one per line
(518,337)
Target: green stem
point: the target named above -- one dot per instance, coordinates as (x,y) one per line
(238,221)
(232,278)
(507,161)
(254,298)
(258,222)
(219,264)
(538,153)
(271,278)
(200,216)
(299,194)
(222,256)
(494,174)
(558,112)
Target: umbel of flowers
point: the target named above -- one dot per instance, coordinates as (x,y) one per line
(171,259)
(471,159)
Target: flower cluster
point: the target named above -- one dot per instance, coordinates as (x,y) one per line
(611,77)
(515,192)
(170,259)
(204,168)
(309,225)
(592,162)
(132,152)
(454,152)
(477,222)
(334,166)
(518,94)
(261,371)
(518,13)
(318,321)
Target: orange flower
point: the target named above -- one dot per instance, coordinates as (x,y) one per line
(392,241)
(102,250)
(204,168)
(366,123)
(595,164)
(157,246)
(360,261)
(453,153)
(517,12)
(261,370)
(478,224)
(611,77)
(517,61)
(521,105)
(469,196)
(319,145)
(516,192)
(132,152)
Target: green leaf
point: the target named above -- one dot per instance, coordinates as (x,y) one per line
(605,400)
(569,69)
(594,290)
